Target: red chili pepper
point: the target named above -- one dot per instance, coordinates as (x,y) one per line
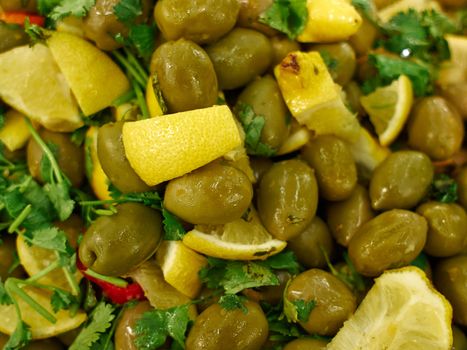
(20,17)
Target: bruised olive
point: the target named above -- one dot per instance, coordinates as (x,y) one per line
(249,15)
(457,95)
(214,194)
(114,245)
(342,61)
(11,36)
(287,198)
(125,334)
(281,46)
(306,344)
(461,179)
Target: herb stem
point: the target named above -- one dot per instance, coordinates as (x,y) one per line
(43,272)
(119,282)
(109,201)
(126,97)
(20,218)
(70,279)
(132,60)
(141,101)
(132,70)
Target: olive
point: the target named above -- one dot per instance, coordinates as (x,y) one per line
(270,294)
(435,128)
(461,179)
(454,3)
(346,217)
(201,21)
(111,154)
(213,194)
(392,239)
(264,96)
(311,245)
(334,302)
(401,180)
(125,334)
(18,5)
(281,46)
(249,15)
(239,57)
(306,344)
(342,61)
(334,165)
(287,198)
(217,328)
(353,93)
(186,75)
(456,94)
(450,277)
(447,228)
(11,36)
(362,41)
(114,245)
(260,166)
(44,344)
(459,340)
(70,157)
(7,258)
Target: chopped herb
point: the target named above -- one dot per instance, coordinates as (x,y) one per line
(65,8)
(287,16)
(16,263)
(35,33)
(78,136)
(444,189)
(46,6)
(173,229)
(88,165)
(232,302)
(45,167)
(127,10)
(142,38)
(285,260)
(298,310)
(20,337)
(49,238)
(280,329)
(62,300)
(368,9)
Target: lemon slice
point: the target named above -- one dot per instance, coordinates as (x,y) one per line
(455,70)
(367,152)
(388,108)
(298,137)
(401,311)
(242,239)
(153,99)
(15,133)
(404,5)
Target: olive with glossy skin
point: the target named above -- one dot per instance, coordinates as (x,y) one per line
(281,46)
(447,228)
(7,258)
(213,194)
(461,179)
(217,328)
(401,180)
(456,94)
(335,303)
(334,166)
(362,41)
(270,294)
(264,96)
(435,128)
(342,61)
(186,76)
(115,245)
(239,57)
(11,36)
(250,11)
(70,157)
(309,245)
(450,278)
(459,340)
(287,198)
(390,240)
(201,21)
(306,344)
(125,334)
(346,217)
(116,166)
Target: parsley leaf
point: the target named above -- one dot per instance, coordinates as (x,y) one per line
(287,16)
(142,38)
(62,300)
(77,8)
(298,310)
(279,328)
(49,238)
(59,196)
(285,260)
(35,33)
(5,298)
(127,10)
(20,337)
(232,302)
(444,189)
(173,229)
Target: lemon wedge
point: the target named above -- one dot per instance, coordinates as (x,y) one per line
(455,70)
(389,11)
(15,133)
(367,152)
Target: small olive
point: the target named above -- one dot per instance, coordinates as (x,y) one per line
(11,36)
(342,60)
(306,344)
(249,15)
(281,46)
(461,179)
(457,95)
(353,93)
(125,333)
(459,339)
(362,41)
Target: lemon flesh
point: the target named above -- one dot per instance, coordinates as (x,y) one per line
(367,152)
(455,70)
(15,133)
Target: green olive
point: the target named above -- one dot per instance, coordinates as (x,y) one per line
(392,239)
(260,166)
(353,93)
(311,244)
(7,258)
(287,198)
(239,57)
(115,245)
(213,194)
(250,11)
(70,157)
(334,165)
(457,95)
(125,331)
(11,36)
(18,5)
(281,46)
(306,344)
(346,217)
(116,166)
(201,21)
(435,128)
(461,179)
(270,294)
(217,328)
(362,41)
(186,76)
(459,340)
(334,302)
(401,180)
(342,60)
(265,97)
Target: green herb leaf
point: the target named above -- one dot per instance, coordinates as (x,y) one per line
(330,62)
(421,261)
(280,329)
(444,189)
(5,298)
(285,260)
(142,38)
(232,302)
(77,8)
(59,196)
(173,229)
(62,300)
(20,337)
(88,165)
(368,9)
(298,310)
(35,33)
(78,136)
(127,10)
(49,238)
(287,16)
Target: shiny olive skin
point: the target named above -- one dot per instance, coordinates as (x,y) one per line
(306,344)
(116,166)
(217,328)
(115,245)
(459,339)
(450,278)
(186,76)
(401,180)
(456,94)
(239,57)
(334,300)
(201,21)
(343,61)
(214,194)
(447,228)
(125,334)
(362,41)
(264,96)
(309,245)
(248,17)
(281,46)
(70,157)
(7,257)
(11,36)
(435,128)
(287,198)
(461,179)
(334,166)
(270,294)
(346,217)
(390,240)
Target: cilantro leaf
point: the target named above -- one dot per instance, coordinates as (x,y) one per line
(279,328)
(46,6)
(421,261)
(127,10)
(5,298)
(77,8)
(20,337)
(298,310)
(285,260)
(49,238)
(142,38)
(368,9)
(59,196)
(444,189)
(287,16)
(62,300)
(232,302)
(173,229)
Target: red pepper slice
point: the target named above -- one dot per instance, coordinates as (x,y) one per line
(20,17)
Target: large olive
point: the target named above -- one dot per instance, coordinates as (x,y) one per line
(114,245)
(250,12)
(457,95)
(11,36)
(435,128)
(260,166)
(201,21)
(281,46)
(346,217)
(287,198)
(213,194)
(461,179)
(264,96)
(342,61)
(125,333)
(7,258)
(306,344)
(217,328)
(186,76)
(70,157)
(334,302)
(401,180)
(447,228)
(459,340)
(450,277)
(18,5)
(392,239)
(239,57)
(334,165)
(116,166)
